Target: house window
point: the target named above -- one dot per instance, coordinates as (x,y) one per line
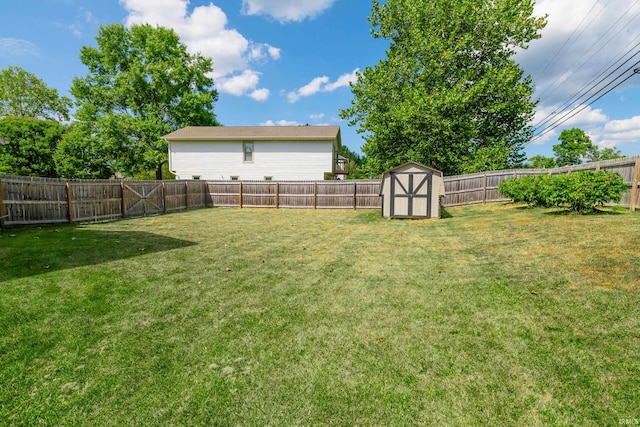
(195,176)
(268,178)
(234,177)
(247,150)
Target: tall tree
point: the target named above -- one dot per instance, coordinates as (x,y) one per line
(609,153)
(142,84)
(448,94)
(23,94)
(574,146)
(30,145)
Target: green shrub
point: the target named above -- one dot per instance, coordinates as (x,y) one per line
(580,192)
(527,189)
(584,191)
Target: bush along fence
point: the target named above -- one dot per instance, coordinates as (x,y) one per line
(26,200)
(483,187)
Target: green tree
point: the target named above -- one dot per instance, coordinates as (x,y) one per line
(24,95)
(574,146)
(80,155)
(448,94)
(142,84)
(542,162)
(30,145)
(609,153)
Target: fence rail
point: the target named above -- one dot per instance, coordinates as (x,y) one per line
(483,187)
(28,200)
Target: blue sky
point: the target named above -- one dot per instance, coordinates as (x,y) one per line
(290,62)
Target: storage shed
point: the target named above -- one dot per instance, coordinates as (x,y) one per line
(411,190)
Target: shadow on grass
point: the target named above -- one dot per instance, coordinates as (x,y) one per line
(27,252)
(444,214)
(597,212)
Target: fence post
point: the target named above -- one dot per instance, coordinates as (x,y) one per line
(355,195)
(1,207)
(240,183)
(164,198)
(69,201)
(186,186)
(315,195)
(277,195)
(123,205)
(634,186)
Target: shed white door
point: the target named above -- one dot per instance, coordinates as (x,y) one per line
(410,194)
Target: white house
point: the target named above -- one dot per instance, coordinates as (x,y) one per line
(256,152)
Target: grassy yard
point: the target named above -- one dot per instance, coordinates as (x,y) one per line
(496,315)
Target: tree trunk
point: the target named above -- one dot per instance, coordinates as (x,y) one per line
(159,172)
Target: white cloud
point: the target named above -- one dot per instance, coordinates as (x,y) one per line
(274,52)
(205,31)
(280,123)
(316,116)
(260,94)
(322,84)
(286,10)
(582,43)
(11,46)
(239,84)
(577,44)
(260,52)
(343,81)
(314,86)
(618,132)
(586,116)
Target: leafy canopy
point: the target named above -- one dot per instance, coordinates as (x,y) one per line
(142,84)
(575,147)
(80,155)
(542,162)
(23,94)
(448,93)
(30,146)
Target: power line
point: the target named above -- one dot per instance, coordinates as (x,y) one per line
(558,83)
(596,88)
(580,93)
(566,42)
(577,110)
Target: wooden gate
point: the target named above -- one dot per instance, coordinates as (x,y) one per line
(411,194)
(142,198)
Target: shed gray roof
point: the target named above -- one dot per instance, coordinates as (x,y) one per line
(264,133)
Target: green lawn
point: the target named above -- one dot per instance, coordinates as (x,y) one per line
(495,315)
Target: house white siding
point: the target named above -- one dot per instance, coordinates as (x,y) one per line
(280,160)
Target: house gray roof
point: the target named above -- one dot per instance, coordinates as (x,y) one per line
(255,133)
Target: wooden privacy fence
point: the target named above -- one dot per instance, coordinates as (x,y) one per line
(44,200)
(483,187)
(295,194)
(27,200)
